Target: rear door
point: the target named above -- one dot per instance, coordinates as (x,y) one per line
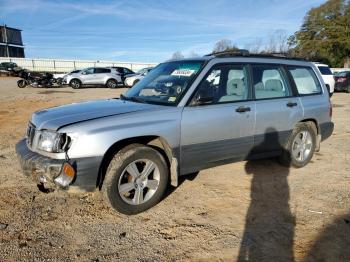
(101,75)
(218,125)
(315,102)
(278,108)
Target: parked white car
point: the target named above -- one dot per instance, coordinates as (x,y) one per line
(133,79)
(327,76)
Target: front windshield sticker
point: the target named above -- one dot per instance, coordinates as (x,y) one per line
(172,99)
(183,72)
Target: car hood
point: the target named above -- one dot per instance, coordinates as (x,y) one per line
(57,117)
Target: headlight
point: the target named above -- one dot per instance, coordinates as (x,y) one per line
(53,142)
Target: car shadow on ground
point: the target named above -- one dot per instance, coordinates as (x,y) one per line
(181,180)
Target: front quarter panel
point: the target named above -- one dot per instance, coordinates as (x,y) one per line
(94,137)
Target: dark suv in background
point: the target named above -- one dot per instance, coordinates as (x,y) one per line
(342,81)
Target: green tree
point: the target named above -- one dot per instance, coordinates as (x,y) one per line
(325,34)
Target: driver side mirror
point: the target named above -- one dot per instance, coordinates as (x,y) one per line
(83,73)
(202,100)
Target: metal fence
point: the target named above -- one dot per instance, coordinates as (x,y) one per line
(63,66)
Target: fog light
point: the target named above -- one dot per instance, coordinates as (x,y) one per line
(66,176)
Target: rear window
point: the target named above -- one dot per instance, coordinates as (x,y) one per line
(325,70)
(305,80)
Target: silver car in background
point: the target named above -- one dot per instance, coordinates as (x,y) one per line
(96,76)
(133,79)
(184,116)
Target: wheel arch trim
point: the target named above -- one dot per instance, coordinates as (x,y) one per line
(170,154)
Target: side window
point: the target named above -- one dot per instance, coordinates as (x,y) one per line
(224,83)
(269,82)
(127,71)
(102,70)
(89,71)
(305,80)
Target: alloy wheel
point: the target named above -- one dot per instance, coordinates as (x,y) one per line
(139,181)
(302,146)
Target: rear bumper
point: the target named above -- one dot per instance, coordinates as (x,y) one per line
(342,86)
(326,130)
(43,170)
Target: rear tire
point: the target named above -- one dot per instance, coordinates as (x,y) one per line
(75,83)
(111,83)
(127,187)
(300,146)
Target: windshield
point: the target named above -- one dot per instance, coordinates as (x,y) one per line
(141,71)
(165,83)
(342,74)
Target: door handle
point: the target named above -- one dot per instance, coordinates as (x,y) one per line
(242,109)
(291,104)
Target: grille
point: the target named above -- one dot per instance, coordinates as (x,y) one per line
(30,134)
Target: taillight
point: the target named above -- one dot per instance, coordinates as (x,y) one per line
(341,79)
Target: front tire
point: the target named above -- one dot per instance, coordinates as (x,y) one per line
(75,84)
(300,146)
(136,179)
(21,83)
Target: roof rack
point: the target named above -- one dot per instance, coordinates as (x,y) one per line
(246,53)
(232,52)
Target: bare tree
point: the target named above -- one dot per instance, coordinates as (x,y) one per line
(256,46)
(223,45)
(193,54)
(177,55)
(277,42)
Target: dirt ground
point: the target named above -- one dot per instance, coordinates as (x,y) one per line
(255,210)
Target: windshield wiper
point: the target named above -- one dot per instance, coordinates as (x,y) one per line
(131,98)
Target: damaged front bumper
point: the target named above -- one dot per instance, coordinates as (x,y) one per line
(52,173)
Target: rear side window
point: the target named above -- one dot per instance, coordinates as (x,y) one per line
(325,70)
(102,70)
(305,80)
(269,82)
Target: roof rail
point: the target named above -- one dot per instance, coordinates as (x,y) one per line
(231,52)
(246,53)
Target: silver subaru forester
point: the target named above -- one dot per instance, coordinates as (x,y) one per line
(184,116)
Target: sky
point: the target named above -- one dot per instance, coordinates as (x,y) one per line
(147,30)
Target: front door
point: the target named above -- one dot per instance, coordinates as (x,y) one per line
(218,124)
(87,75)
